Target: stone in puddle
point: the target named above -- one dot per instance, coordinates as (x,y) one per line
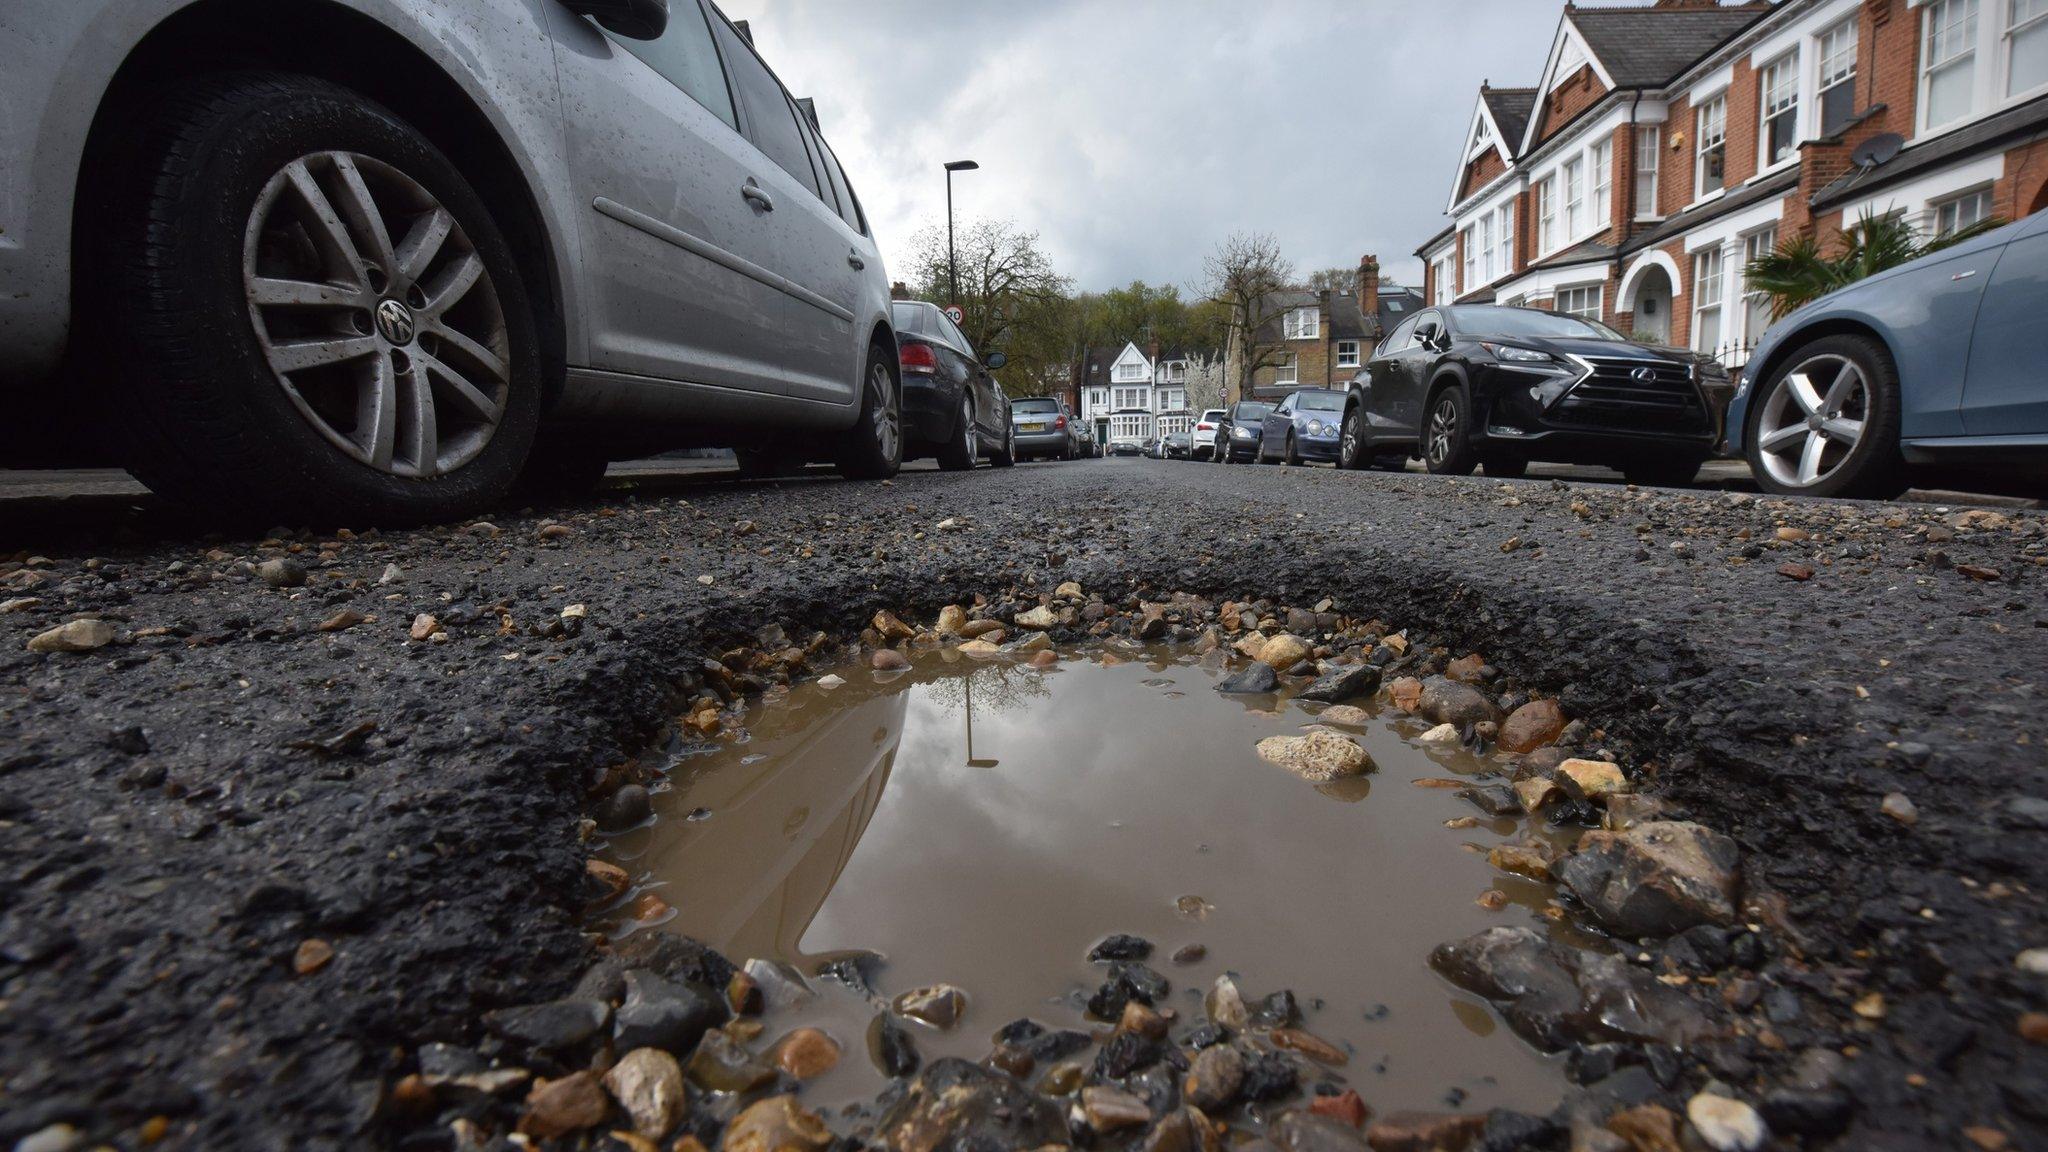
(1256,677)
(1037,619)
(1531,726)
(1184,1130)
(553,1026)
(781,985)
(1144,1020)
(1590,779)
(1214,1077)
(1424,1131)
(1441,734)
(939,1005)
(1120,946)
(889,660)
(1493,799)
(1225,1005)
(955,1105)
(1308,1044)
(1726,1125)
(952,618)
(1655,879)
(1535,792)
(777,1124)
(1446,701)
(1346,1106)
(1344,716)
(73,636)
(1406,693)
(558,1107)
(1305,1131)
(1531,860)
(1343,684)
(721,1065)
(1316,756)
(891,1048)
(648,1084)
(1554,997)
(1109,1109)
(805,1053)
(625,807)
(660,1013)
(1284,651)
(891,627)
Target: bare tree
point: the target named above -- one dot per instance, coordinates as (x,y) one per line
(1247,276)
(1011,297)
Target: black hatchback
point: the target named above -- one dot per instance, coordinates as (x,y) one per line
(1470,386)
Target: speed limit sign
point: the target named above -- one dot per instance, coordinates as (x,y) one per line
(954,313)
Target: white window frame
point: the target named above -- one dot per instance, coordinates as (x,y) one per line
(1574,176)
(1130,397)
(1286,371)
(1347,354)
(1585,301)
(1302,324)
(1546,214)
(1098,398)
(1710,133)
(1649,157)
(1504,238)
(1704,304)
(1602,160)
(1128,372)
(1777,96)
(1470,238)
(2009,37)
(1834,66)
(1952,206)
(1966,19)
(1446,288)
(1754,245)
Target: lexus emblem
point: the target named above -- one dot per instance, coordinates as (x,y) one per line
(1644,376)
(394,321)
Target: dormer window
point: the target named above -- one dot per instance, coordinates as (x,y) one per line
(1132,370)
(1302,324)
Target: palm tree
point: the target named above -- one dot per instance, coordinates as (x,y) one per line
(1799,272)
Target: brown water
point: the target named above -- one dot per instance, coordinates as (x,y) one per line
(985,824)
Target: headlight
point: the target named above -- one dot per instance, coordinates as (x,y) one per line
(1241,433)
(1514,355)
(1317,428)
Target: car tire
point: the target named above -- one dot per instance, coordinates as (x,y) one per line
(873,448)
(1006,455)
(962,450)
(1675,471)
(1353,449)
(276,358)
(1503,467)
(1447,434)
(1871,466)
(1288,456)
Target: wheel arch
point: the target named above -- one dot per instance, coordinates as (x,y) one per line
(1791,345)
(1447,376)
(333,42)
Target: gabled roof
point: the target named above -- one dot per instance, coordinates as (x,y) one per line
(1647,47)
(1280,304)
(1510,109)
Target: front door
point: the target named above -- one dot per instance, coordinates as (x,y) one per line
(658,165)
(2006,391)
(1652,320)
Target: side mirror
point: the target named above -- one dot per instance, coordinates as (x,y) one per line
(995,360)
(633,19)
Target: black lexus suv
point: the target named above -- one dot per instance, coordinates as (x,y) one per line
(1467,386)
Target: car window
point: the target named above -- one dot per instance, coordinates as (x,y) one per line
(1286,407)
(1035,406)
(1252,411)
(771,122)
(849,209)
(686,58)
(1402,337)
(826,191)
(954,334)
(1321,402)
(909,317)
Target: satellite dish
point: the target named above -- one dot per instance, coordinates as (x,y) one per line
(1877,150)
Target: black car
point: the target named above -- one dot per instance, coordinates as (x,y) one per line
(1237,439)
(1470,386)
(1177,446)
(952,407)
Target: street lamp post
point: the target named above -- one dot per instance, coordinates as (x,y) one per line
(952,255)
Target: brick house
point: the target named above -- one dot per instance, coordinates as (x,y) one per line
(1326,337)
(1666,146)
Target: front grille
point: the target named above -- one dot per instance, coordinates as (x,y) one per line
(1611,397)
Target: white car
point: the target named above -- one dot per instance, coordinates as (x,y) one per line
(1203,446)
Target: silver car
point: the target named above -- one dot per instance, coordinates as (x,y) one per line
(384,259)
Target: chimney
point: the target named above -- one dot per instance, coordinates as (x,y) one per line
(1369,286)
(899,291)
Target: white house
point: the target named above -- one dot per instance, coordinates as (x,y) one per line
(1129,394)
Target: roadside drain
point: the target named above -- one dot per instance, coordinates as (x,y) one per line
(985,824)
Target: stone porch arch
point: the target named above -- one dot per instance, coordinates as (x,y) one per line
(1625,296)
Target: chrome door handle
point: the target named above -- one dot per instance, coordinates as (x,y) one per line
(753,194)
(854,259)
(1963,275)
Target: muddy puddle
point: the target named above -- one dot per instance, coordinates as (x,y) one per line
(985,824)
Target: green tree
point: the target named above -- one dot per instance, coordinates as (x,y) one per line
(1799,271)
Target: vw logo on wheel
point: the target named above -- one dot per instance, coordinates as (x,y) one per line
(1644,376)
(394,321)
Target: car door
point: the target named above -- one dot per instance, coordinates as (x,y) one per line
(2006,390)
(1273,429)
(671,248)
(1404,407)
(1384,373)
(811,256)
(967,371)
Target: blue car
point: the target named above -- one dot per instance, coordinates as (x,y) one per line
(1303,427)
(1936,364)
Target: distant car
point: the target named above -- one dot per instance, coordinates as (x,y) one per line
(1302,427)
(1085,434)
(1155,448)
(1475,385)
(952,407)
(1177,446)
(1206,428)
(1933,364)
(1044,429)
(1239,434)
(1126,446)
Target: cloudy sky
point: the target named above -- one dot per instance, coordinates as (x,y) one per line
(1132,135)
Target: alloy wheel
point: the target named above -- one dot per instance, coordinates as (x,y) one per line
(1813,420)
(882,404)
(1443,429)
(970,438)
(376,314)
(1347,449)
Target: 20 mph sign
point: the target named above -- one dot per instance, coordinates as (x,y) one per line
(953,311)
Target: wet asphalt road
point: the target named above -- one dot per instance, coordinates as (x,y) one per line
(186,807)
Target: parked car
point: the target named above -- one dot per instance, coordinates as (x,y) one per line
(1085,434)
(1930,366)
(1239,434)
(1177,446)
(1045,429)
(952,406)
(1155,448)
(1206,428)
(1301,428)
(1126,446)
(1476,385)
(430,246)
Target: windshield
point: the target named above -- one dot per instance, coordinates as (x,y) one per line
(1321,402)
(1481,321)
(909,317)
(1035,406)
(1253,411)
